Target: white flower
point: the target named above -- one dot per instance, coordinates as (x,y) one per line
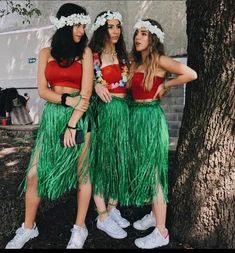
(100,21)
(70,20)
(151,28)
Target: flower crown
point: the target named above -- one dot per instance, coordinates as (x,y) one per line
(100,21)
(151,28)
(70,20)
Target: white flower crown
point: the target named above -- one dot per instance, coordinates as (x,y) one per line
(151,28)
(70,20)
(100,21)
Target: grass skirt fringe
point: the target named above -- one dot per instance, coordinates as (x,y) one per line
(56,166)
(110,150)
(149,141)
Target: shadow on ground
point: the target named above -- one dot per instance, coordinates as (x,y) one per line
(57,218)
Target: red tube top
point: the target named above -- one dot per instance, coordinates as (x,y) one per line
(67,77)
(112,74)
(138,91)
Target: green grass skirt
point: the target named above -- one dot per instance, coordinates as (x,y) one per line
(110,149)
(57,167)
(149,142)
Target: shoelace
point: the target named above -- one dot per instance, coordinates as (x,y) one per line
(145,217)
(19,233)
(112,224)
(118,215)
(74,240)
(151,237)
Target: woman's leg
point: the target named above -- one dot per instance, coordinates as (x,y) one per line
(159,210)
(32,200)
(84,188)
(101,207)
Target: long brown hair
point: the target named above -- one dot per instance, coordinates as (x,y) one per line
(101,36)
(154,51)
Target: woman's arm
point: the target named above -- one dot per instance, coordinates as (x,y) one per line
(43,90)
(86,92)
(184,74)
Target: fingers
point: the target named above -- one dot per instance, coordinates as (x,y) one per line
(83,105)
(69,138)
(107,97)
(103,93)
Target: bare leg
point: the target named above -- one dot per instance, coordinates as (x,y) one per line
(32,200)
(84,189)
(159,210)
(101,207)
(112,204)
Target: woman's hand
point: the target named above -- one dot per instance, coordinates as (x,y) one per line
(80,103)
(103,93)
(161,91)
(69,137)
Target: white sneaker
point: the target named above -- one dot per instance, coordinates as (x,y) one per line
(22,236)
(153,240)
(116,216)
(146,222)
(110,227)
(78,237)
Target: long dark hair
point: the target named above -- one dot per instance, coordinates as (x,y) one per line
(64,49)
(155,50)
(101,36)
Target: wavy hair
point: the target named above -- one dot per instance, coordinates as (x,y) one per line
(154,51)
(64,49)
(101,36)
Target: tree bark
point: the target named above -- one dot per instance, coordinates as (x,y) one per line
(202,185)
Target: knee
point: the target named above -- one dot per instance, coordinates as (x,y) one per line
(31,180)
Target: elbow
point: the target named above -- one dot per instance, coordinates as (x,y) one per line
(194,75)
(41,93)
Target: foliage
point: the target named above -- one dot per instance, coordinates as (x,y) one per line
(25,9)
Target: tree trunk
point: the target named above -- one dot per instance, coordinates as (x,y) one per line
(202,185)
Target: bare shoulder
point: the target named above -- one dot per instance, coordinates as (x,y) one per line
(45,52)
(87,52)
(163,59)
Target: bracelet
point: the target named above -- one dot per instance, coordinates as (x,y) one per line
(79,99)
(63,99)
(166,88)
(70,127)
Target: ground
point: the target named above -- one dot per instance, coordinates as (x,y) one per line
(55,222)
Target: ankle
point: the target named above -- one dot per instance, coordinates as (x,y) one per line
(111,205)
(80,225)
(102,215)
(28,225)
(163,231)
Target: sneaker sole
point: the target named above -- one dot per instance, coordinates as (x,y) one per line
(141,228)
(36,233)
(124,226)
(140,247)
(112,235)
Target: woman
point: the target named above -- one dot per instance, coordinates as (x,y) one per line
(149,132)
(109,164)
(65,75)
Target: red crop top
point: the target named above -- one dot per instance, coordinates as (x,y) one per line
(112,74)
(64,76)
(137,89)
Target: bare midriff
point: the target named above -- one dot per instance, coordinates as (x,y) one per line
(145,100)
(60,90)
(120,95)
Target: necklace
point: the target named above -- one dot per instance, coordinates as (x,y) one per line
(99,77)
(112,54)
